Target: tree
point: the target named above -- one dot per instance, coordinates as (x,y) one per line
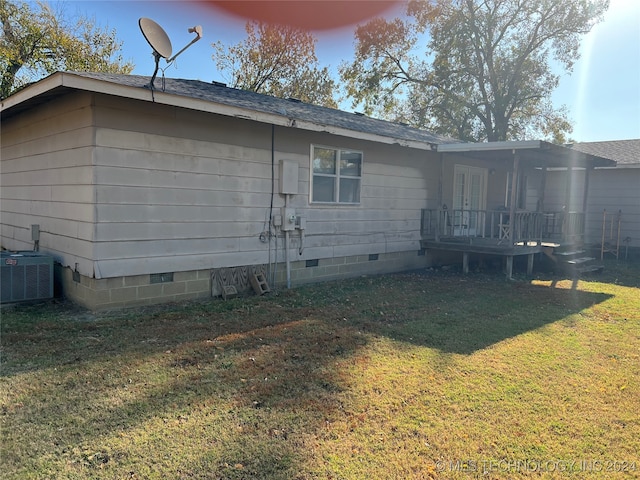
(37,41)
(276,60)
(486,71)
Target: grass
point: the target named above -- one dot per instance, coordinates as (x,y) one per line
(411,376)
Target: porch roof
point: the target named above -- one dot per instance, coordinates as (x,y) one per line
(533,153)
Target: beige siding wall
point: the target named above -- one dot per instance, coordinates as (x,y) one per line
(610,189)
(613,190)
(563,192)
(180,191)
(47,179)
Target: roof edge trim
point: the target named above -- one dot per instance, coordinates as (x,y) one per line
(33,90)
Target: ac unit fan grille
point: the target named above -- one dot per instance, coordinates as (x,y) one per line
(26,277)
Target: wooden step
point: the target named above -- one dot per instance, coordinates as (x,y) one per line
(590,268)
(568,253)
(580,261)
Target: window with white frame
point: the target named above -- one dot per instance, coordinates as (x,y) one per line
(336,175)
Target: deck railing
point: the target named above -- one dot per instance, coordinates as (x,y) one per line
(526,227)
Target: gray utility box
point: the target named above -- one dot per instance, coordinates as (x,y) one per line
(26,276)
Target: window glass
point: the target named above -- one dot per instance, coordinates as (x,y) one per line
(323,189)
(324,160)
(349,190)
(350,163)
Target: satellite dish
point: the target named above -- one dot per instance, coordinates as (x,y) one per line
(159,41)
(156,36)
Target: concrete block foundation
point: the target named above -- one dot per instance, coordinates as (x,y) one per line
(141,290)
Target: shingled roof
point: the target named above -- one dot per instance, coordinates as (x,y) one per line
(624,152)
(218,98)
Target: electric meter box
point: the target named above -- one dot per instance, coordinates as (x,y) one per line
(288,177)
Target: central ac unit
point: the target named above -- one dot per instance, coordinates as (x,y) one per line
(25,276)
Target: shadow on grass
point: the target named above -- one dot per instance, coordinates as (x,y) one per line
(615,272)
(237,388)
(464,321)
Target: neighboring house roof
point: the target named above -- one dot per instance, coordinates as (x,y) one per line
(626,153)
(217,98)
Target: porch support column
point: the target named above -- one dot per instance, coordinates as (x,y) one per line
(465,262)
(585,196)
(509,267)
(543,188)
(567,197)
(514,195)
(440,194)
(530,264)
(566,227)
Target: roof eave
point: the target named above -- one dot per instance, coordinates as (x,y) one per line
(490,146)
(559,156)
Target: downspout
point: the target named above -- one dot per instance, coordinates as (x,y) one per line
(272,272)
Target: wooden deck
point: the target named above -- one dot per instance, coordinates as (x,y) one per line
(495,233)
(484,245)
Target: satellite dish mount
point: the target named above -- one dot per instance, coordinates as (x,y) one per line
(161,44)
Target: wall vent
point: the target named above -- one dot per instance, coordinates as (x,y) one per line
(26,276)
(161,277)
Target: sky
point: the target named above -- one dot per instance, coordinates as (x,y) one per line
(602,93)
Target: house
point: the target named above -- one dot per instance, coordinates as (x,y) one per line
(613,190)
(145,195)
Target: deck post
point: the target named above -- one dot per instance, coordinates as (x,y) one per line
(509,266)
(530,264)
(465,262)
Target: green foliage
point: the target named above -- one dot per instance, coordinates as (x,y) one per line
(485,72)
(37,41)
(276,60)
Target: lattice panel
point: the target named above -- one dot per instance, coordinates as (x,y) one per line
(236,276)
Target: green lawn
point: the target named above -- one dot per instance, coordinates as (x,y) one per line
(411,376)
